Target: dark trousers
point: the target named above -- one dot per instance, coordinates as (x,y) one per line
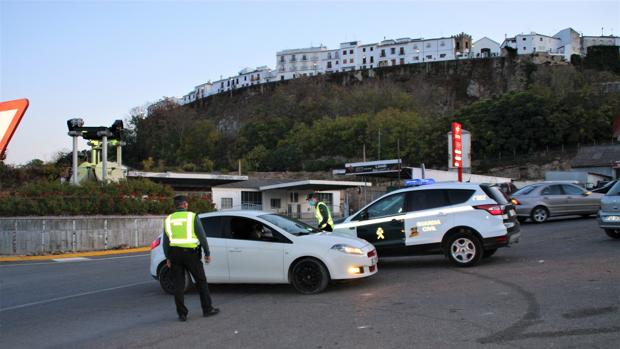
(188,259)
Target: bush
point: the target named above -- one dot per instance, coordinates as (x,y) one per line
(131,197)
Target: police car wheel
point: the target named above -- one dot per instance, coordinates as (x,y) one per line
(613,233)
(309,276)
(539,214)
(464,250)
(166,282)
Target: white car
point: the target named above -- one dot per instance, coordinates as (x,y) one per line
(464,221)
(261,247)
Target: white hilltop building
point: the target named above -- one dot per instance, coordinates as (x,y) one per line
(485,47)
(354,56)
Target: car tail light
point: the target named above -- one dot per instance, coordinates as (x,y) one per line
(501,239)
(515,202)
(155,243)
(495,210)
(372,253)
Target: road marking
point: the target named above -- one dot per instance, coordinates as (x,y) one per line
(77,254)
(72,296)
(88,260)
(68,260)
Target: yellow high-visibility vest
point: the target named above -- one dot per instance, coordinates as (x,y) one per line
(179,227)
(319,216)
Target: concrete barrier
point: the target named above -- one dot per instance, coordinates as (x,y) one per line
(42,235)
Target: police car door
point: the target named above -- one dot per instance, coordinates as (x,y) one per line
(382,223)
(428,218)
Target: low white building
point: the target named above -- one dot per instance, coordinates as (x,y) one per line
(286,197)
(588,41)
(484,48)
(531,43)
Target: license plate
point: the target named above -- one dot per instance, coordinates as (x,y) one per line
(512,212)
(612,218)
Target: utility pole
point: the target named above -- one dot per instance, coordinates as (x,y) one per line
(379,147)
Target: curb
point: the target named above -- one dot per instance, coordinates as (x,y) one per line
(73,255)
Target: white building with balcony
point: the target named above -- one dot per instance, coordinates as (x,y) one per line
(291,64)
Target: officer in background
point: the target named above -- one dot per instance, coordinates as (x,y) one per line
(321,212)
(183,239)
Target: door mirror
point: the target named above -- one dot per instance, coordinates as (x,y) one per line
(587,193)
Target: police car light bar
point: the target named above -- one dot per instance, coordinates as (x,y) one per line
(418,181)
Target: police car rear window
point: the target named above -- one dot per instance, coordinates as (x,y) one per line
(459,196)
(495,194)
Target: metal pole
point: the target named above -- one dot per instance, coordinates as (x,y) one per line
(119,154)
(74,163)
(104,158)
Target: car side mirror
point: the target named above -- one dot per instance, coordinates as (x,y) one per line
(363,215)
(587,193)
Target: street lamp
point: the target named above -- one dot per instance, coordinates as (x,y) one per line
(74,125)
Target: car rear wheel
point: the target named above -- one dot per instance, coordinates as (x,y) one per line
(309,276)
(539,214)
(613,233)
(167,283)
(464,249)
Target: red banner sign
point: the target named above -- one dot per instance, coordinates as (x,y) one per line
(457,145)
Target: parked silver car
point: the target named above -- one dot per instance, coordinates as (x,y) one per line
(540,201)
(609,215)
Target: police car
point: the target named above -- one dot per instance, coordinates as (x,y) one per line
(464,221)
(261,247)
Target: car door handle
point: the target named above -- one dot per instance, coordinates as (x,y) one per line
(351,228)
(234,250)
(441,214)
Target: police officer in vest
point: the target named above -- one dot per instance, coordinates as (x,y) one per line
(183,239)
(321,212)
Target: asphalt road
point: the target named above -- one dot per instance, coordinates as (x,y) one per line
(560,287)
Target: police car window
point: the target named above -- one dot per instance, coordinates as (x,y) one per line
(459,196)
(391,205)
(495,193)
(552,190)
(427,199)
(212,226)
(571,189)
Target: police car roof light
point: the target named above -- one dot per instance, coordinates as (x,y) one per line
(419,181)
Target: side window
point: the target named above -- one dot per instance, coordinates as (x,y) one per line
(212,226)
(552,190)
(427,199)
(242,228)
(389,206)
(571,189)
(459,196)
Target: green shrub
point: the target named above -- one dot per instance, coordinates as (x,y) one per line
(131,197)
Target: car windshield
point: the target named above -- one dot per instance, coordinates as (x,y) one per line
(615,190)
(526,190)
(291,226)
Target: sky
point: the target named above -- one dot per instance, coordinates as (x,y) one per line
(99,59)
